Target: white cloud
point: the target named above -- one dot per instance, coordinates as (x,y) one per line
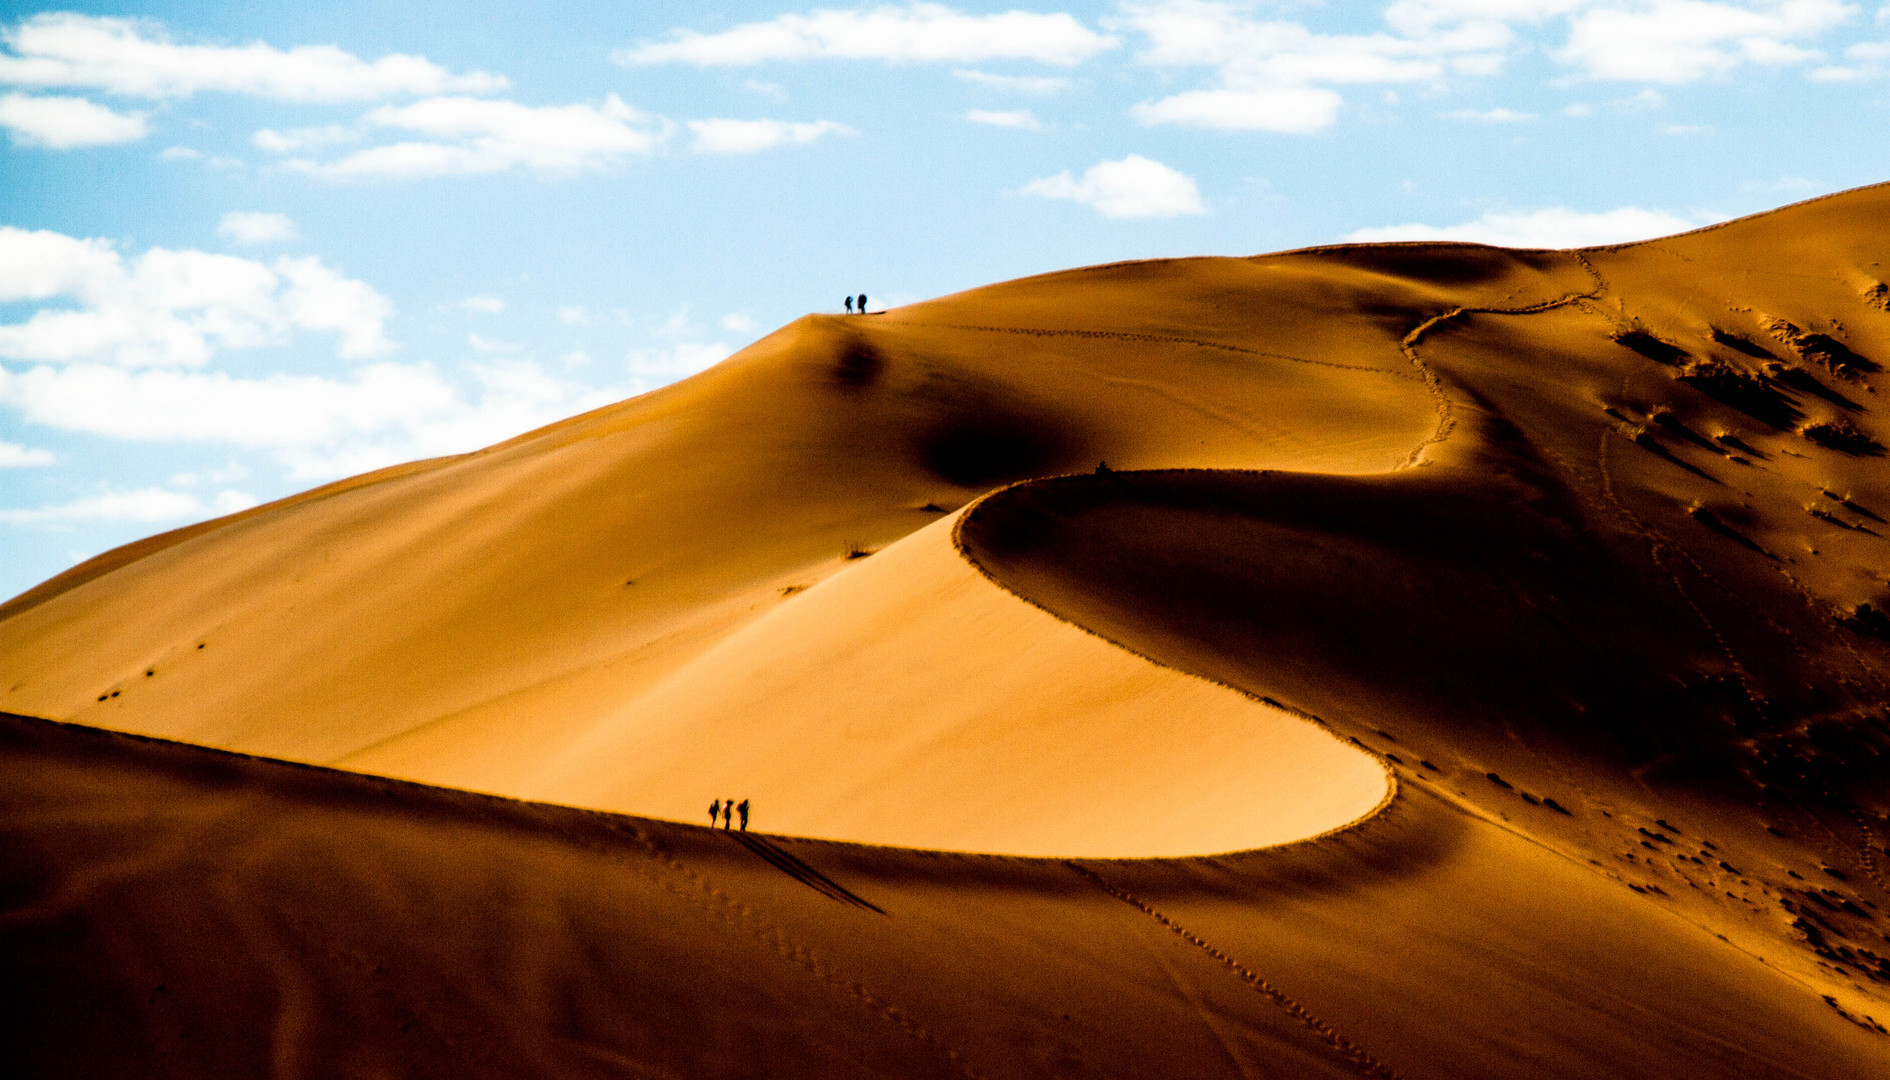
(145,505)
(1019,118)
(1488,116)
(1015,84)
(482,305)
(173,307)
(1555,227)
(180,153)
(15,456)
(771,91)
(63,123)
(1294,110)
(1679,41)
(1278,76)
(304,138)
(494,135)
(738,322)
(1867,61)
(749,136)
(574,315)
(318,427)
(136,58)
(916,33)
(489,347)
(257,227)
(1418,17)
(1578,109)
(1134,187)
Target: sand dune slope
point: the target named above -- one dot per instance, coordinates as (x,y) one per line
(478,621)
(1587,548)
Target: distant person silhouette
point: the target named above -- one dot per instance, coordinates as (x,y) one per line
(862,303)
(715,811)
(728,812)
(742,809)
(849,305)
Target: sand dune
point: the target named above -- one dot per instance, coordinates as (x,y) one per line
(1586,548)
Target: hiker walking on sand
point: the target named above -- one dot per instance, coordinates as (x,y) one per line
(742,809)
(715,811)
(861,306)
(728,812)
(849,305)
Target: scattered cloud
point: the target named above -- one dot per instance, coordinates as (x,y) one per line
(1039,85)
(1578,109)
(1867,60)
(1488,116)
(257,227)
(65,123)
(915,33)
(1134,187)
(771,91)
(180,153)
(318,427)
(482,305)
(489,347)
(136,58)
(303,139)
(750,136)
(1293,110)
(1554,227)
(144,505)
(738,322)
(1278,76)
(1020,118)
(574,315)
(1684,129)
(173,307)
(1682,41)
(492,135)
(15,456)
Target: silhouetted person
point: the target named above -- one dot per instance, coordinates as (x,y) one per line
(742,809)
(1103,469)
(728,812)
(862,304)
(849,305)
(715,811)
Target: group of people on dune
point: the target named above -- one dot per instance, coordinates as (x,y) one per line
(726,809)
(861,306)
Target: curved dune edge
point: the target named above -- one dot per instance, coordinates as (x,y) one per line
(969,720)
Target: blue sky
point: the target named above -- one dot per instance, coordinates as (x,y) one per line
(245,252)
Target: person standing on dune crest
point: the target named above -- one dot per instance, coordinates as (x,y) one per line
(849,304)
(728,812)
(715,811)
(742,809)
(861,306)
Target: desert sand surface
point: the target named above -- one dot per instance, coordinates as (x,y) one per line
(1467,663)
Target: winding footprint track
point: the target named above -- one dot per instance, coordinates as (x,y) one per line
(1348,1051)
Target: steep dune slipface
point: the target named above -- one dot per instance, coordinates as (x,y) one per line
(911,701)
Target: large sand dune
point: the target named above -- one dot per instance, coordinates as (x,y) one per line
(1587,549)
